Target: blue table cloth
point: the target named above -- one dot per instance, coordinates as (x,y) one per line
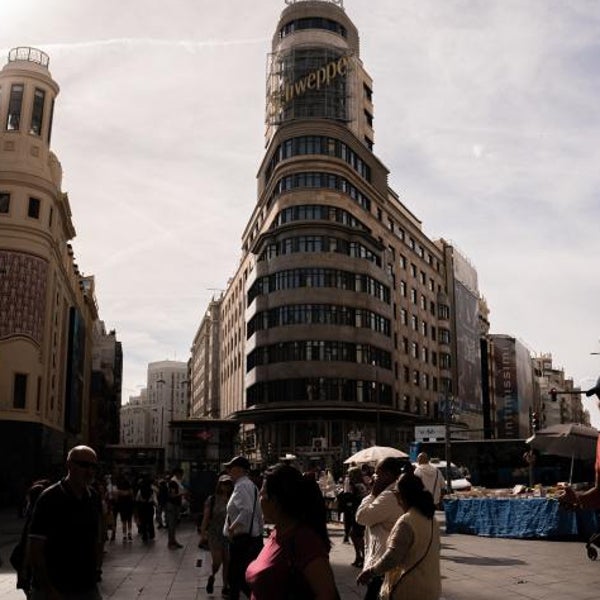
(517,518)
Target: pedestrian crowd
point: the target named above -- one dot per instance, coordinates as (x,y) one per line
(266,534)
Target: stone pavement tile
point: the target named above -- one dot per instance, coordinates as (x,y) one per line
(473,568)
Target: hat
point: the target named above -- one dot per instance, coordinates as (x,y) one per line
(238,461)
(223,478)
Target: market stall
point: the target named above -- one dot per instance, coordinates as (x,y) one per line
(517,517)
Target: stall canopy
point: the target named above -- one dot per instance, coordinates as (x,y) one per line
(566,439)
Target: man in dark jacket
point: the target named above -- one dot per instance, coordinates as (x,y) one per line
(65,538)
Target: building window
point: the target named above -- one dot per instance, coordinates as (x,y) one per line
(20,390)
(37,112)
(50,121)
(38,395)
(4,202)
(369,118)
(368,92)
(13,117)
(34,208)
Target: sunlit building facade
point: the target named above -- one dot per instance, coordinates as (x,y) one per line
(338,328)
(47,306)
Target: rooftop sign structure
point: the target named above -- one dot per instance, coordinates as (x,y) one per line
(339,3)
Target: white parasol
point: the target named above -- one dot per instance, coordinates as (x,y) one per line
(374,454)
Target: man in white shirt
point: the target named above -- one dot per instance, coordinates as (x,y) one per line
(243,525)
(378,512)
(430,476)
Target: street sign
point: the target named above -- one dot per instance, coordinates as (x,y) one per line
(430,433)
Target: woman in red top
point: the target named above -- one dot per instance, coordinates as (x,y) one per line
(296,554)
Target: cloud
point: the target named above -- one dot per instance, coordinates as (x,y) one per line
(486,114)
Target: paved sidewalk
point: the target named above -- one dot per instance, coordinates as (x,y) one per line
(473,568)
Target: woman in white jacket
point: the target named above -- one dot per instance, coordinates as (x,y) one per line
(411,562)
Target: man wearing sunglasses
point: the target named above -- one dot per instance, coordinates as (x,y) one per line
(64,538)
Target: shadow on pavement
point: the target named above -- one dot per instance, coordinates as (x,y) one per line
(487,561)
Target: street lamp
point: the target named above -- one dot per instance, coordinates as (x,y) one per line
(447,422)
(170,438)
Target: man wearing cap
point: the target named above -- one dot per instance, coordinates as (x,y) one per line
(243,525)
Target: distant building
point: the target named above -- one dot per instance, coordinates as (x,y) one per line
(137,426)
(147,420)
(105,394)
(554,406)
(204,365)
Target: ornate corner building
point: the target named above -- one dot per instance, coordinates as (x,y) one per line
(48,309)
(338,328)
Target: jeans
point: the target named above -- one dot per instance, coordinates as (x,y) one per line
(243,549)
(172,513)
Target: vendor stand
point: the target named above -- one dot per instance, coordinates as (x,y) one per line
(510,515)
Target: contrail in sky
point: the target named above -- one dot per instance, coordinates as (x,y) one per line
(190,45)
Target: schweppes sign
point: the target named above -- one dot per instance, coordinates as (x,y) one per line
(314,80)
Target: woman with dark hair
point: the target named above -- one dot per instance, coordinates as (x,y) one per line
(294,561)
(411,562)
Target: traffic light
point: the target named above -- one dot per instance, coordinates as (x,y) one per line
(553,394)
(535,421)
(594,390)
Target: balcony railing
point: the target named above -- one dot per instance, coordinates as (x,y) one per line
(30,55)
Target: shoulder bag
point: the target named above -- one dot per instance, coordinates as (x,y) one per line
(389,593)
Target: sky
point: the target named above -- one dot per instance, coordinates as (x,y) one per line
(486,114)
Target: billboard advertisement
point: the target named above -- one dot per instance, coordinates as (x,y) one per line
(75,372)
(505,379)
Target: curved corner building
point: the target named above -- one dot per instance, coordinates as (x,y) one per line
(336,327)
(47,306)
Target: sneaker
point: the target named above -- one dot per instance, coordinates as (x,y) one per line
(210,585)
